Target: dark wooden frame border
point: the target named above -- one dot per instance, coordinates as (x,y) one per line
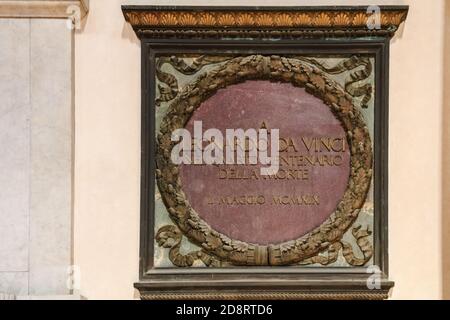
(263,282)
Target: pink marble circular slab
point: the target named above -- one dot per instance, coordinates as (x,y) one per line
(264,211)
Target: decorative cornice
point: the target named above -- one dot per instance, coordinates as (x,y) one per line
(42,8)
(261,287)
(284,22)
(270,295)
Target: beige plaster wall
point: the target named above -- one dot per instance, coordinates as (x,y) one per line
(446,159)
(107,149)
(415,153)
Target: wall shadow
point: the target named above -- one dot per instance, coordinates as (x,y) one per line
(446,159)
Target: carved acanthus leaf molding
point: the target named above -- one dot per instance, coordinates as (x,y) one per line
(285,22)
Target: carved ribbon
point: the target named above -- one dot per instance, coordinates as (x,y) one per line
(169,90)
(170,236)
(363,243)
(351,83)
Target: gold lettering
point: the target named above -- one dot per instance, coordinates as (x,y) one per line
(308,143)
(325,142)
(298,200)
(222,174)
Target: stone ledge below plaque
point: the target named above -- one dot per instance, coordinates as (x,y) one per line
(289,288)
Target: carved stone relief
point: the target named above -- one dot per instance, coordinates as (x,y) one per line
(344,84)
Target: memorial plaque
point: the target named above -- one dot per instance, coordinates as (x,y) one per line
(264,162)
(237,200)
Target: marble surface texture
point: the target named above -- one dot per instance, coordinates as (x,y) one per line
(36,160)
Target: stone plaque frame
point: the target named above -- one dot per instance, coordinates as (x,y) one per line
(248,33)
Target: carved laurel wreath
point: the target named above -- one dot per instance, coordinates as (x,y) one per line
(271,68)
